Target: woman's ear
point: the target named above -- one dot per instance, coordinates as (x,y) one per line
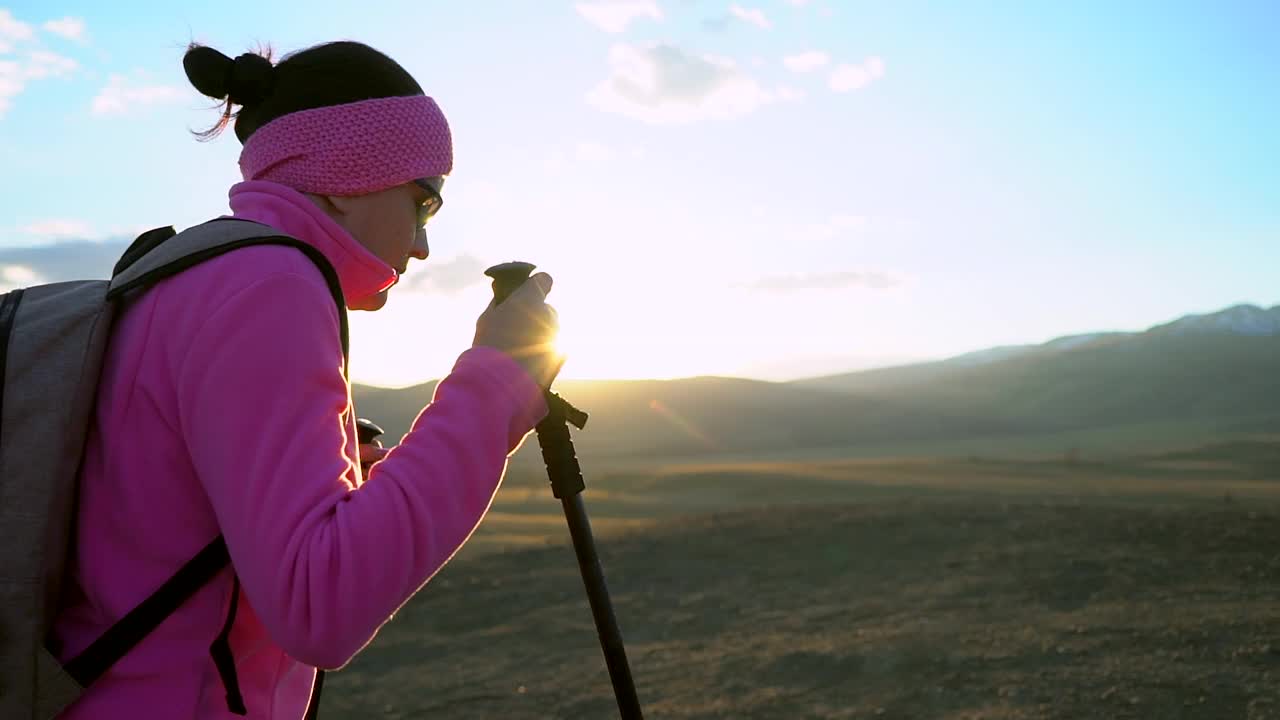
(341,205)
(334,206)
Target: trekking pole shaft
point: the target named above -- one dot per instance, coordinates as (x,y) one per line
(566,484)
(615,655)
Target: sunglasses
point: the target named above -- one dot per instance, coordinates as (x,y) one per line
(431,205)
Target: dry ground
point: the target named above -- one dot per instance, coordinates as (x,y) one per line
(969,589)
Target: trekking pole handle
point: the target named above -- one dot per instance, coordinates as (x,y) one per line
(367,430)
(506,278)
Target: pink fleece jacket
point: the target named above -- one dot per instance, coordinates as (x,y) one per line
(223,409)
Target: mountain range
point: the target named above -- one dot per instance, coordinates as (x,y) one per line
(1235,320)
(1219,369)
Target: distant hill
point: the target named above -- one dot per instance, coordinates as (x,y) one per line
(712,415)
(1238,320)
(1221,367)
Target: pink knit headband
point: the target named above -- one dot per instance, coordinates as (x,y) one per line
(351,149)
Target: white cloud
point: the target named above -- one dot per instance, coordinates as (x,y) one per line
(754,16)
(613,16)
(806,61)
(10,31)
(17,276)
(12,28)
(11,83)
(58,228)
(45,64)
(39,64)
(70,28)
(122,94)
(855,77)
(798,3)
(663,84)
(447,277)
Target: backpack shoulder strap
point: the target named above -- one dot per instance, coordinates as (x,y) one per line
(161,253)
(143,244)
(120,638)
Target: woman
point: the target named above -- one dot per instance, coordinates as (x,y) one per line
(224,409)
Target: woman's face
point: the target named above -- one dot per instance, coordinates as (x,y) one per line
(385,222)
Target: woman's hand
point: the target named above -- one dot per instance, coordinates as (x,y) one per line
(524,327)
(371,453)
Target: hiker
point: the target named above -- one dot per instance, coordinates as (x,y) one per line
(224,408)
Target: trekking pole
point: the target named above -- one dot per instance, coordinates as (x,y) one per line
(567,485)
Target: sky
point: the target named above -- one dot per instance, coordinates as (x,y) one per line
(766,189)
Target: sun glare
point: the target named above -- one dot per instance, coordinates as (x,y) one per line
(598,356)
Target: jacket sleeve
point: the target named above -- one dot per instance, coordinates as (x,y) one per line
(265,410)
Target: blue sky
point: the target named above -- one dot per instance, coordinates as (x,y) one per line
(766,189)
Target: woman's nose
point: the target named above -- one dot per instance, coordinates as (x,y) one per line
(420,248)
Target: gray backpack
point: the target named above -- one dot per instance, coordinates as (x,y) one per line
(52,342)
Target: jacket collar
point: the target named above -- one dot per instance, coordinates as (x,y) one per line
(360,272)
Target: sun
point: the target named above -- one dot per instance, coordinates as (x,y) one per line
(591,351)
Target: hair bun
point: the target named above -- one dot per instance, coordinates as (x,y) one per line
(247,80)
(250,80)
(208,70)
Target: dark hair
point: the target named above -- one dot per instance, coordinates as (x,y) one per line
(328,74)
